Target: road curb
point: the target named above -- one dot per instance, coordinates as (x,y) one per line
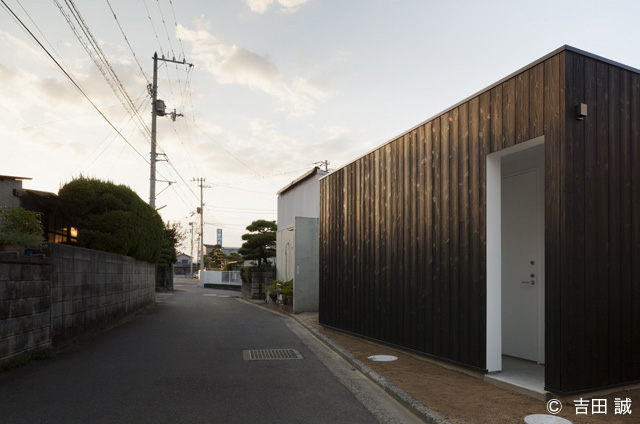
(417,408)
(405,398)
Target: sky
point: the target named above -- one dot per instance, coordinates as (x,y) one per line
(276,86)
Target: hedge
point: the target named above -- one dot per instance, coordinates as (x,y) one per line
(112,218)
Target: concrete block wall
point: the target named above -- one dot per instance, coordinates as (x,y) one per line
(92,289)
(25,300)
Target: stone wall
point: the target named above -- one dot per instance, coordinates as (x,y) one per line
(92,289)
(25,300)
(259,280)
(52,301)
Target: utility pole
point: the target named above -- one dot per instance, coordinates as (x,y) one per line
(325,163)
(191,252)
(200,182)
(157,109)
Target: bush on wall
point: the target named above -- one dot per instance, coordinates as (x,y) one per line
(112,218)
(20,227)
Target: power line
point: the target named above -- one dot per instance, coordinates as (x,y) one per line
(119,87)
(128,44)
(143,103)
(165,29)
(242,189)
(175,21)
(153,26)
(66,118)
(41,33)
(228,152)
(109,75)
(71,79)
(80,89)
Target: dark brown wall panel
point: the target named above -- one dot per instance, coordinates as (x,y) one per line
(599,298)
(635,225)
(403,229)
(551,106)
(404,259)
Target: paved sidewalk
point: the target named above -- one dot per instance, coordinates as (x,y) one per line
(458,397)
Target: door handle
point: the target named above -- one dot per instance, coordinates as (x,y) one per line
(532,282)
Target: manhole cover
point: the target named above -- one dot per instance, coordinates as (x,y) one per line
(270,354)
(383,358)
(545,419)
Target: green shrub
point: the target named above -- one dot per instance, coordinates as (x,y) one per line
(20,227)
(112,218)
(245,274)
(286,288)
(272,289)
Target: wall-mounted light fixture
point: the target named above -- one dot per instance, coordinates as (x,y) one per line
(581,111)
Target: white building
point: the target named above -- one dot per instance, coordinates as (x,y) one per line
(297,244)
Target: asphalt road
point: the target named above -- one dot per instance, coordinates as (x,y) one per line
(182,362)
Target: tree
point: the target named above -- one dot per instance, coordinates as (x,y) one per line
(216,258)
(260,242)
(175,235)
(112,218)
(20,227)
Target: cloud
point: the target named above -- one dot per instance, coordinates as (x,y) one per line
(240,157)
(259,6)
(232,64)
(288,6)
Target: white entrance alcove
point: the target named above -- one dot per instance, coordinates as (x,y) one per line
(526,157)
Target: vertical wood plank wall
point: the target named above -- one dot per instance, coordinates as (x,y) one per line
(403,229)
(599,255)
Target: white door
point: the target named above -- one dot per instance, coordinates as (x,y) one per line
(519,266)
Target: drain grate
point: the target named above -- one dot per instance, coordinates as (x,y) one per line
(270,354)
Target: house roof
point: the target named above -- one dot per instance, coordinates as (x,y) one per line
(508,77)
(42,201)
(312,172)
(9,177)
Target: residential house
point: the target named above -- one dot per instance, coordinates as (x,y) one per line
(11,190)
(56,230)
(183,265)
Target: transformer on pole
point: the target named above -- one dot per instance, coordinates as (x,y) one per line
(158,108)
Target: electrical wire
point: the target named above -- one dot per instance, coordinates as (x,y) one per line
(228,152)
(128,44)
(165,29)
(66,118)
(81,90)
(153,26)
(144,102)
(42,34)
(105,61)
(175,21)
(110,76)
(75,84)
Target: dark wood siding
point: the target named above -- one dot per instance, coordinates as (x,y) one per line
(600,222)
(403,229)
